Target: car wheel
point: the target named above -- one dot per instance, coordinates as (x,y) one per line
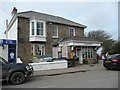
(17,78)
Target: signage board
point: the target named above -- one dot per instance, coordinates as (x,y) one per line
(4,41)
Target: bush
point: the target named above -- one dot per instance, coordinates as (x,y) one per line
(90,61)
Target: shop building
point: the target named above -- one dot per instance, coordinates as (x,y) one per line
(40,34)
(81,47)
(8,50)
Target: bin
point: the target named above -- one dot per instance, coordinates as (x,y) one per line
(71,62)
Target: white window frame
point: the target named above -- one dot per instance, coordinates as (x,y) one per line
(35,27)
(40,49)
(73,31)
(41,30)
(56,31)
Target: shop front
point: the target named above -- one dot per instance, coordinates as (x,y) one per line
(83,49)
(8,49)
(86,53)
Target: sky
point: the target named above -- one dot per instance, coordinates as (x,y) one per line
(96,15)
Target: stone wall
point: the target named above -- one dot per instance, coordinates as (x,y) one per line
(24,46)
(63,32)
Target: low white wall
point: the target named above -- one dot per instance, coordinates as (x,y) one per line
(49,65)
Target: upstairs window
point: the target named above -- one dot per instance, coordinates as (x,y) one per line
(40,28)
(71,31)
(54,31)
(37,28)
(33,28)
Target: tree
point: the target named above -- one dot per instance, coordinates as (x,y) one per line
(103,37)
(115,49)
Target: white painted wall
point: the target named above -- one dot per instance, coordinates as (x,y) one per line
(49,65)
(4,52)
(64,51)
(12,33)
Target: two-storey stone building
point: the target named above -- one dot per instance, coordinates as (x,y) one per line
(42,34)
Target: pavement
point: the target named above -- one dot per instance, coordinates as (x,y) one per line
(77,68)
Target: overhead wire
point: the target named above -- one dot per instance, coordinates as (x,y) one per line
(5,11)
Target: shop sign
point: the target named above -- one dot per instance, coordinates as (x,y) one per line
(3,41)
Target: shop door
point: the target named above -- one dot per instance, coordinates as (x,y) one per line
(12,54)
(55,52)
(79,54)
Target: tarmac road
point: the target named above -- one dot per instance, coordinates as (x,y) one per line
(99,78)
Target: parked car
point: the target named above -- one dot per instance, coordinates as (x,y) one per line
(44,59)
(112,62)
(15,73)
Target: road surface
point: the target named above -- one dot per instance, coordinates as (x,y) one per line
(100,78)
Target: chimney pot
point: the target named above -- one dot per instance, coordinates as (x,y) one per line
(14,11)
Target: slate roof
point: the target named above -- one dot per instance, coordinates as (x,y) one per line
(80,39)
(50,18)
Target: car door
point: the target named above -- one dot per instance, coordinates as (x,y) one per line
(5,71)
(119,60)
(4,68)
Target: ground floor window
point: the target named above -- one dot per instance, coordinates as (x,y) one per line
(87,52)
(38,49)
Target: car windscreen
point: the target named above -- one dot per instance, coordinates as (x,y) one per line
(113,57)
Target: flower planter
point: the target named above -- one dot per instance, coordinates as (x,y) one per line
(85,61)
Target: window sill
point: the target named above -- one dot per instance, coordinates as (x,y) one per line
(54,36)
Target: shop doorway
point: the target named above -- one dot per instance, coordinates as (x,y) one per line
(12,53)
(79,55)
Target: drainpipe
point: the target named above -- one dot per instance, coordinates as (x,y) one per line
(6,29)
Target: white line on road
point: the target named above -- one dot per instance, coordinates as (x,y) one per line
(48,86)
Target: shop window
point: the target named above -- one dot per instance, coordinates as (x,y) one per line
(83,55)
(89,54)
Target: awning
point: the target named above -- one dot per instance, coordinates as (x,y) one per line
(79,41)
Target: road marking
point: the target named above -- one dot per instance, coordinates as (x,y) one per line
(48,86)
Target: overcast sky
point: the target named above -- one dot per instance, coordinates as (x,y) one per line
(95,15)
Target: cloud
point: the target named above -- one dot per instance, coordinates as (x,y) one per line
(100,16)
(96,15)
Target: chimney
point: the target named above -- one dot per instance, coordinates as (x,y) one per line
(6,29)
(14,11)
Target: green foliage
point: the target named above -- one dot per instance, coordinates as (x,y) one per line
(116,48)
